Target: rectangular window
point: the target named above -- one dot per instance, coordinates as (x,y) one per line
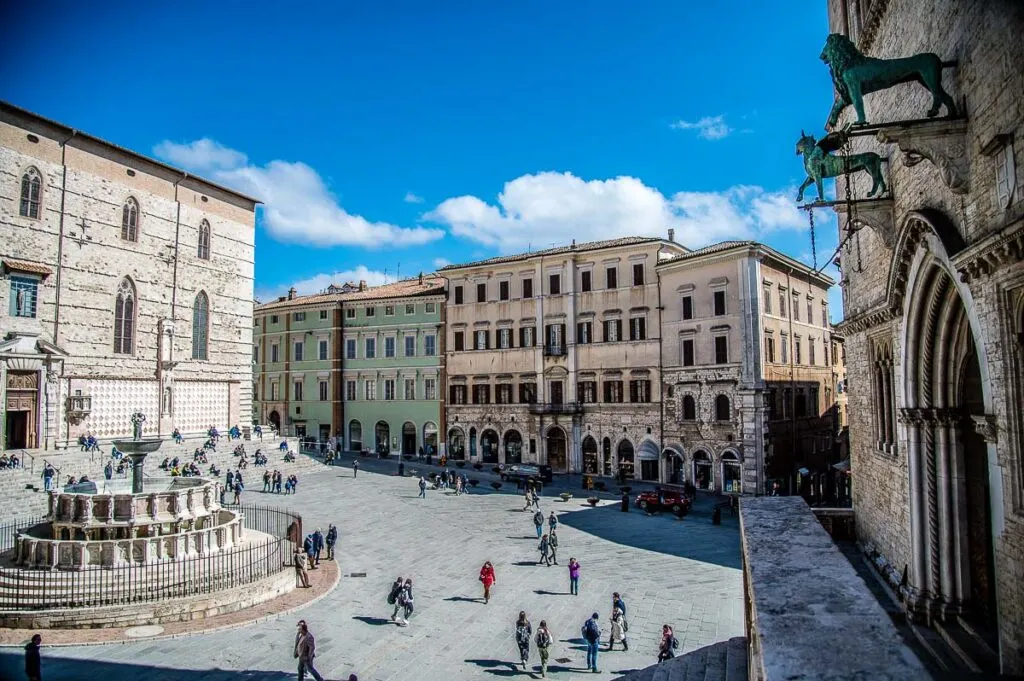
(273,390)
(482,394)
(526,334)
(389,347)
(784,347)
(797,355)
(811,355)
(459,340)
(371,348)
(638,274)
(613,392)
(554,284)
(458,295)
(611,277)
(273,319)
(585,333)
(612,330)
(796,306)
(428,308)
(527,288)
(503,393)
(389,310)
(299,347)
(350,313)
(297,391)
(371,311)
(322,349)
(769,349)
(810,311)
(782,302)
(481,339)
(323,314)
(350,390)
(389,389)
(323,391)
(481,293)
(585,281)
(527,393)
(410,346)
(410,308)
(503,290)
(640,391)
(430,345)
(457,394)
(24,294)
(430,388)
(813,402)
(638,328)
(767,299)
(687,307)
(719,303)
(587,391)
(410,388)
(274,353)
(721,350)
(504,338)
(824,314)
(555,334)
(688,353)
(298,316)
(350,348)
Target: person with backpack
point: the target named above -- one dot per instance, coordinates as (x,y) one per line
(592,635)
(619,628)
(423,487)
(553,545)
(574,577)
(309,548)
(669,643)
(355,468)
(544,548)
(552,522)
(396,588)
(405,600)
(331,539)
(487,579)
(544,640)
(524,632)
(538,523)
(318,545)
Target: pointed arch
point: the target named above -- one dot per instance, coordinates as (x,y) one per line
(130,220)
(203,250)
(723,410)
(125,313)
(689,408)
(201,326)
(31,203)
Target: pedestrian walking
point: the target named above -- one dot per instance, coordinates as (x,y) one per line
(487,579)
(231,479)
(553,546)
(524,632)
(592,635)
(355,468)
(318,545)
(267,481)
(544,548)
(404,601)
(423,487)
(48,473)
(538,523)
(528,496)
(617,602)
(574,577)
(299,560)
(552,522)
(331,539)
(396,588)
(544,640)
(668,645)
(619,627)
(309,548)
(536,500)
(108,470)
(238,490)
(305,651)
(33,662)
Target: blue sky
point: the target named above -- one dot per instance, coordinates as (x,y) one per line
(386,135)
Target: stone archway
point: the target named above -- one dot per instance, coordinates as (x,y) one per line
(555,443)
(626,458)
(647,454)
(703,471)
(456,443)
(408,438)
(513,447)
(275,420)
(355,435)
(589,450)
(382,437)
(675,472)
(489,446)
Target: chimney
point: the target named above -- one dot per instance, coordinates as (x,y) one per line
(671,234)
(362,284)
(291,293)
(573,243)
(421,277)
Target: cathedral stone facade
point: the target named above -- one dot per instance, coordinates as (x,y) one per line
(127,285)
(933,288)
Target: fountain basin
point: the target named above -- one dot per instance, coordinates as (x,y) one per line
(144,446)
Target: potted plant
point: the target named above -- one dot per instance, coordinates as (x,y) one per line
(566,496)
(496,485)
(473,482)
(592,501)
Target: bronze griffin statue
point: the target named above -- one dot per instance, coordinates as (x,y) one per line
(856,75)
(820,162)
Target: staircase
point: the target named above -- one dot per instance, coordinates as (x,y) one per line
(723,661)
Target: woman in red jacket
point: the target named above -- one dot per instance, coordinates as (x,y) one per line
(487,577)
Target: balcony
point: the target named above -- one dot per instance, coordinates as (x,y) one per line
(556,408)
(554,351)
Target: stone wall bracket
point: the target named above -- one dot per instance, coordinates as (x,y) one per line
(943,142)
(878,214)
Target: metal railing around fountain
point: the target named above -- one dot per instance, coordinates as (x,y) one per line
(28,589)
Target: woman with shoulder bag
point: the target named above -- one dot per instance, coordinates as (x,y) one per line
(523,634)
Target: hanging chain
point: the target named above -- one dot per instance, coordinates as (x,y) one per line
(814,247)
(851,207)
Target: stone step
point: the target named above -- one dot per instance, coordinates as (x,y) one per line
(973,651)
(722,661)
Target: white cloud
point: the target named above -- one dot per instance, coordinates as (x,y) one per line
(298,205)
(708,127)
(319,282)
(534,211)
(412,198)
(441,262)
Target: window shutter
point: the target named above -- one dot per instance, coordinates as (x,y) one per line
(563,338)
(618,329)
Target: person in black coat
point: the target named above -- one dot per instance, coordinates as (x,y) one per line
(33,663)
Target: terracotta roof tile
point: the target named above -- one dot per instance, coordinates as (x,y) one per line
(585,246)
(26,266)
(398,289)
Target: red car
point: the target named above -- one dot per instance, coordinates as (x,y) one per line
(664,500)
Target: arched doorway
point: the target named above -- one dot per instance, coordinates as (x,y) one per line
(513,448)
(275,420)
(606,456)
(382,434)
(731,473)
(556,449)
(489,446)
(673,456)
(456,444)
(472,443)
(355,436)
(590,463)
(408,438)
(430,438)
(627,465)
(648,455)
(703,476)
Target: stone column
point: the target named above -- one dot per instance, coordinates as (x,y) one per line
(918,519)
(887,420)
(944,490)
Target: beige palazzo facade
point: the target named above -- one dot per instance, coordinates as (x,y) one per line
(933,290)
(125,285)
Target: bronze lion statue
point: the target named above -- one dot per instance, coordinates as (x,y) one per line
(855,75)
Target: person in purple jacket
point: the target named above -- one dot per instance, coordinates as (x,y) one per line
(574,577)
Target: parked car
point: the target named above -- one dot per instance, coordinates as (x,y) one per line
(521,472)
(676,501)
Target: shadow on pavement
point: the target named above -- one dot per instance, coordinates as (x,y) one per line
(375,621)
(464,599)
(56,668)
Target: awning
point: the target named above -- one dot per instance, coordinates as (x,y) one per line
(803,471)
(843,465)
(12,265)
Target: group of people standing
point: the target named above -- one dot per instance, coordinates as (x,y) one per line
(272,482)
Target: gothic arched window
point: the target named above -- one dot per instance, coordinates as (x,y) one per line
(689,408)
(200,326)
(130,220)
(31,194)
(204,240)
(722,411)
(125,310)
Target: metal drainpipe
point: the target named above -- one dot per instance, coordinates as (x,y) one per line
(60,237)
(661,377)
(792,369)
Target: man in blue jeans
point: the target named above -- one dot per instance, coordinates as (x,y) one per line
(592,635)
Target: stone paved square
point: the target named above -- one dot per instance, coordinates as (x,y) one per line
(683,573)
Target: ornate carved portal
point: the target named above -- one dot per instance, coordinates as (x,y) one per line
(20,410)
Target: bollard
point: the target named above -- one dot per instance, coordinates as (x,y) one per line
(625,502)
(401,469)
(716,516)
